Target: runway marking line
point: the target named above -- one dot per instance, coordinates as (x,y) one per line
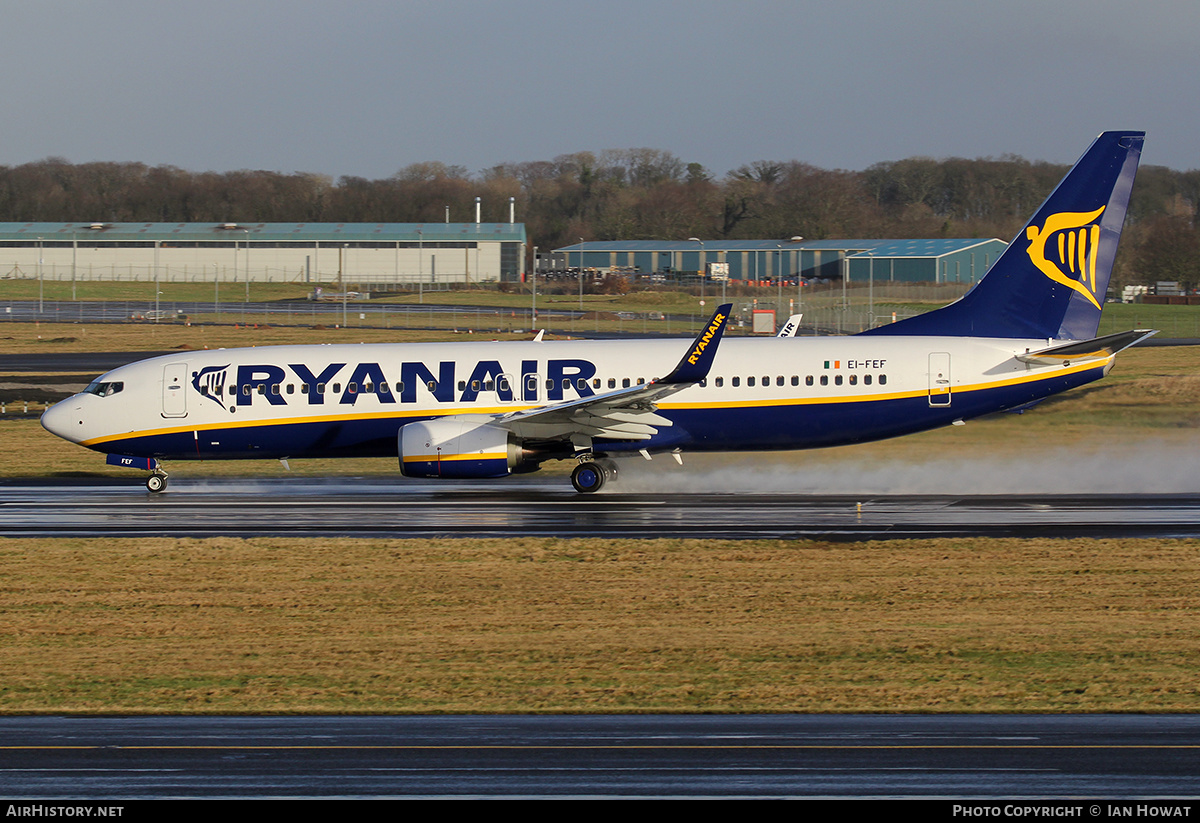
(788,746)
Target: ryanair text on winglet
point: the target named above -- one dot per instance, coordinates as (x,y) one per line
(706,338)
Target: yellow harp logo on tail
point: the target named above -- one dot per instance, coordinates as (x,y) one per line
(1076,246)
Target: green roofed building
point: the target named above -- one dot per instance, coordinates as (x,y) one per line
(361,253)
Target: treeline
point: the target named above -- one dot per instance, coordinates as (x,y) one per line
(629,194)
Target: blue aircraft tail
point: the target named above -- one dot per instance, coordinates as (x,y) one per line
(1051,280)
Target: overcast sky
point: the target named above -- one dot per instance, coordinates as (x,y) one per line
(366,88)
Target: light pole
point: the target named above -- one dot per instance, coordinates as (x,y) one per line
(41,303)
(156,291)
(533,307)
(871,289)
(581,274)
(799,278)
(701,242)
(247,233)
(778,280)
(420,266)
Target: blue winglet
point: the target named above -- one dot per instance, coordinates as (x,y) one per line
(695,364)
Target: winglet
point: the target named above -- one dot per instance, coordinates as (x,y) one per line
(790,328)
(695,364)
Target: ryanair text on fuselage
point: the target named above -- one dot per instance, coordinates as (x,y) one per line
(345,384)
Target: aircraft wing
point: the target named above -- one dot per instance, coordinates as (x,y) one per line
(623,414)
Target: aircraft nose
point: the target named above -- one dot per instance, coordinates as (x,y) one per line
(62,419)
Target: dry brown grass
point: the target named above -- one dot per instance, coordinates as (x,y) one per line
(272,625)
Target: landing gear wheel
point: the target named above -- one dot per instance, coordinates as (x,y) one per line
(588,477)
(156,483)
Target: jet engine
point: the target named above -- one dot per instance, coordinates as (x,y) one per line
(459,446)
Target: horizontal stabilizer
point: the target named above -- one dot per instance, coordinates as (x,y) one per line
(1097,347)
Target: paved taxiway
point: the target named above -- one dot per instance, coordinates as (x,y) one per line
(1100,756)
(399,507)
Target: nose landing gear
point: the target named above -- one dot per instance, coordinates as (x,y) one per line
(157,482)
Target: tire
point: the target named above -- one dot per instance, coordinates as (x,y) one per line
(156,483)
(588,478)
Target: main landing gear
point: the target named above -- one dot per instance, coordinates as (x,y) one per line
(591,475)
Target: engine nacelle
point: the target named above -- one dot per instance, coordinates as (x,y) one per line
(459,446)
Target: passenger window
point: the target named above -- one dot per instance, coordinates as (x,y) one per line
(824,380)
(808,379)
(320,388)
(431,385)
(837,380)
(474,385)
(854,380)
(612,382)
(352,388)
(737,381)
(581,384)
(274,388)
(779,380)
(866,379)
(883,379)
(749,381)
(641,380)
(304,388)
(337,387)
(625,383)
(462,385)
(720,382)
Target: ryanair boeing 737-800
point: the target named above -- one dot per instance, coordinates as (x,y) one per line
(483,410)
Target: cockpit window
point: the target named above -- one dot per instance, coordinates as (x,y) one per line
(104,389)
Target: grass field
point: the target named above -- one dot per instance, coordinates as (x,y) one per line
(529,625)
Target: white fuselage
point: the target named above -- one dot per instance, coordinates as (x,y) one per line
(773,393)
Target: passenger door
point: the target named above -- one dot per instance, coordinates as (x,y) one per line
(174,398)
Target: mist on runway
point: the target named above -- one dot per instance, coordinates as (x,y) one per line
(1104,469)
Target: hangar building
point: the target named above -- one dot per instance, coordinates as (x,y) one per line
(925,261)
(375,253)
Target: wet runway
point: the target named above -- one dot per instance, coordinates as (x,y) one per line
(385,507)
(939,756)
